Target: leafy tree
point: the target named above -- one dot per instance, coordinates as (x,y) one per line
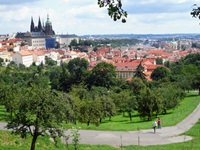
(139,72)
(77,68)
(167,64)
(159,73)
(64,79)
(115,10)
(1,61)
(50,62)
(37,110)
(103,74)
(148,104)
(159,61)
(171,98)
(196,82)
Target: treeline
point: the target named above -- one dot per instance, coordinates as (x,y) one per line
(114,43)
(46,95)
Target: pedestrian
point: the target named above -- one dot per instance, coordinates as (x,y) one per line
(159,123)
(154,126)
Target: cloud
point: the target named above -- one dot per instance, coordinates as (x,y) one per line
(16,2)
(157,6)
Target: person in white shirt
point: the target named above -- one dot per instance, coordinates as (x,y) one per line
(154,126)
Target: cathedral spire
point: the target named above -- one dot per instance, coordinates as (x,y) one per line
(39,25)
(32,28)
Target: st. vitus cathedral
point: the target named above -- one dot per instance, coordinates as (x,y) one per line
(46,29)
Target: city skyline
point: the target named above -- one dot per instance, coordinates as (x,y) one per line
(85,17)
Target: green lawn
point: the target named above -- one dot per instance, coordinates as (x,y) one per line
(9,141)
(120,123)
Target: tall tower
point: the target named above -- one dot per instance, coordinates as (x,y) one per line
(48,27)
(32,28)
(39,25)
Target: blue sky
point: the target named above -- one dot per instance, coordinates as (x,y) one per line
(85,17)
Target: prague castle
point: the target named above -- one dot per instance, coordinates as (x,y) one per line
(46,29)
(43,35)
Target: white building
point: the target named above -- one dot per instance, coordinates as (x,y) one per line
(23,57)
(65,39)
(38,57)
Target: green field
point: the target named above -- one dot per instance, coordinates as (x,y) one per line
(120,123)
(9,141)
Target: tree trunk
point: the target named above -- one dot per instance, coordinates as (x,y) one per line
(130,116)
(109,118)
(100,120)
(34,141)
(199,91)
(88,123)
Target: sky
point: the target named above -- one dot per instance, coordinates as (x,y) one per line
(84,17)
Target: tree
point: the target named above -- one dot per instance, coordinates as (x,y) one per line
(171,98)
(37,110)
(159,61)
(115,10)
(77,68)
(1,61)
(139,72)
(148,104)
(196,82)
(159,73)
(103,74)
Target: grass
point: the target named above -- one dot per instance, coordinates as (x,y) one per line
(120,123)
(9,141)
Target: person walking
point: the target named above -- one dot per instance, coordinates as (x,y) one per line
(154,126)
(159,123)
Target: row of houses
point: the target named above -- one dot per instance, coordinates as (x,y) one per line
(125,61)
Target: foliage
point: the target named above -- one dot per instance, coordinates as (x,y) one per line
(195,11)
(139,72)
(103,74)
(159,61)
(115,10)
(159,73)
(1,62)
(76,138)
(35,111)
(170,98)
(148,104)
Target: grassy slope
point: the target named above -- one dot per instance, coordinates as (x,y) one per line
(14,142)
(172,117)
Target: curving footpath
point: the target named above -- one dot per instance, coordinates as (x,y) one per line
(166,135)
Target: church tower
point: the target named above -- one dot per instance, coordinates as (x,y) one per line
(48,27)
(45,29)
(32,28)
(39,25)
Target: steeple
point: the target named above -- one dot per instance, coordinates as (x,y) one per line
(39,25)
(32,28)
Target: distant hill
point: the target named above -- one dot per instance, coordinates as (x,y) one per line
(142,36)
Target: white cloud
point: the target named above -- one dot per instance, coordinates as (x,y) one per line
(85,17)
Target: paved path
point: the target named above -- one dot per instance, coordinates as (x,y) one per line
(165,135)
